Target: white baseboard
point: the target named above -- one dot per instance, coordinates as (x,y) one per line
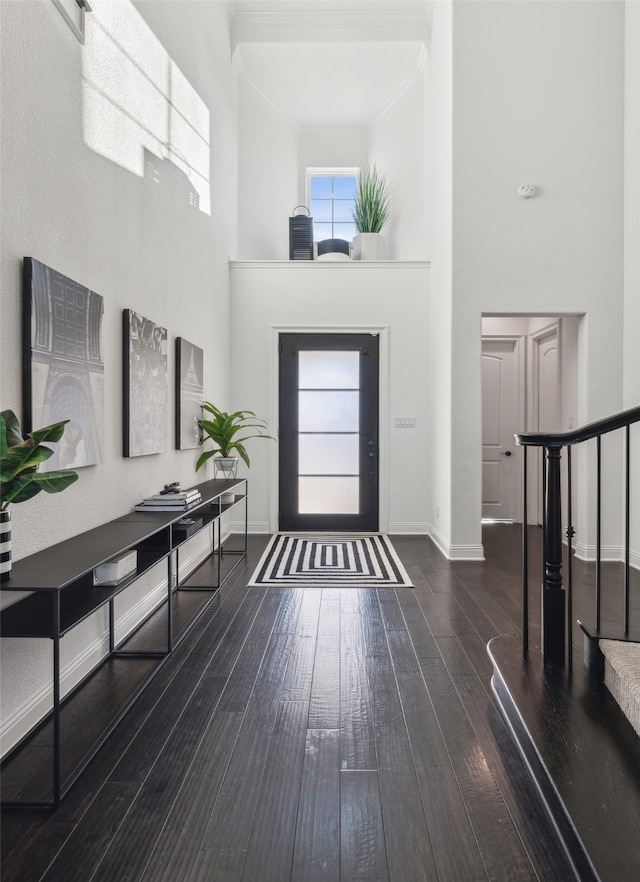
(253,527)
(607,553)
(456,552)
(408,528)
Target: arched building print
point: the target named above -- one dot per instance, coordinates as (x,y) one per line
(64,379)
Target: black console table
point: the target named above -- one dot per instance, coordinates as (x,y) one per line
(61,595)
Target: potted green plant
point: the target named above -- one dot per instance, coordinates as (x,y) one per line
(226,431)
(19,476)
(370,213)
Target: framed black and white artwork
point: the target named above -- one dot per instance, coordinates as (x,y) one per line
(63,371)
(189,393)
(145,398)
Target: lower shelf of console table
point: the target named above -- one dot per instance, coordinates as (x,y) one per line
(48,761)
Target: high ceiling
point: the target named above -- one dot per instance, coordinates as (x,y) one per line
(330,62)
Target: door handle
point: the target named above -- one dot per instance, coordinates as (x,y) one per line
(507,453)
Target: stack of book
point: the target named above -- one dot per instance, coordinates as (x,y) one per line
(178,502)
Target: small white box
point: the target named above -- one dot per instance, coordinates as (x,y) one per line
(113,571)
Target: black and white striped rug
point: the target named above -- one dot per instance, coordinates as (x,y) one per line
(330,561)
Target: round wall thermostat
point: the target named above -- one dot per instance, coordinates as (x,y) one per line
(526,191)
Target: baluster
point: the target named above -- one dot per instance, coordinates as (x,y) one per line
(525,563)
(598,529)
(627,532)
(570,534)
(553,595)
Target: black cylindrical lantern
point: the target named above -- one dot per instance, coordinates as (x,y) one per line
(301,235)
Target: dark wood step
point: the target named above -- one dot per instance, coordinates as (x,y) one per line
(583,754)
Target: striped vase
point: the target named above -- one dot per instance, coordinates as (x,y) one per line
(5,544)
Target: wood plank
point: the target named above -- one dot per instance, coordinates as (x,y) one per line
(138,759)
(362,854)
(498,840)
(271,845)
(356,725)
(324,705)
(218,866)
(512,776)
(177,853)
(76,861)
(132,847)
(398,638)
(316,854)
(407,839)
(424,643)
(230,823)
(454,846)
(242,677)
(28,861)
(299,676)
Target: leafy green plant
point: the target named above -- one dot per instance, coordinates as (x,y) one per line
(223,429)
(20,458)
(372,200)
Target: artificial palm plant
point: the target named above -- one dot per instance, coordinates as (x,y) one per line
(223,431)
(19,476)
(20,458)
(371,210)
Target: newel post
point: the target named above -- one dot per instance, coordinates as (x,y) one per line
(553,595)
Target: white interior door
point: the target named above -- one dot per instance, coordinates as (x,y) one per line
(499,410)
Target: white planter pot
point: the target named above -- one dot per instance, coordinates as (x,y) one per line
(225,467)
(368,246)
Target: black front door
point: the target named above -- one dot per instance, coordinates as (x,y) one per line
(329,432)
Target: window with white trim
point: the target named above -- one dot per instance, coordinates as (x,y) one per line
(331,198)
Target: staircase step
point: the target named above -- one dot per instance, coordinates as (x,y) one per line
(622,677)
(583,754)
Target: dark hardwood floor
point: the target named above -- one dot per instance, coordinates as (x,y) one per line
(314,734)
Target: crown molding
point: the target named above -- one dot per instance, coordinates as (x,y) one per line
(405,91)
(251,85)
(329,22)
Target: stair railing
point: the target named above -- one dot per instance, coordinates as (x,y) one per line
(557,603)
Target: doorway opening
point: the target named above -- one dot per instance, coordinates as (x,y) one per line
(329,431)
(529,384)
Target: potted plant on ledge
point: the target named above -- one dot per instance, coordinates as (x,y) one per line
(19,476)
(370,213)
(226,433)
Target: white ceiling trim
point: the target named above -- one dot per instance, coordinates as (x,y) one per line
(248,82)
(403,93)
(329,22)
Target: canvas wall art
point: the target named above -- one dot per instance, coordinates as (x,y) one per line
(145,397)
(189,393)
(63,371)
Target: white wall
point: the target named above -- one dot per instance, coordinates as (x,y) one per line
(538,90)
(632,251)
(397,146)
(267,179)
(392,298)
(439,132)
(136,242)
